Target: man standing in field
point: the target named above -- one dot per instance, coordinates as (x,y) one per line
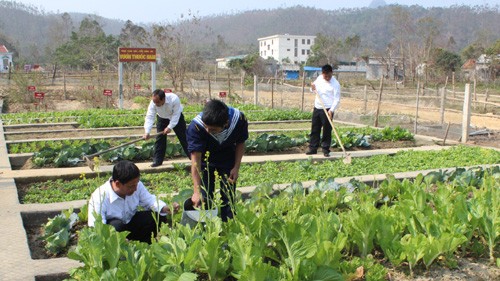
(216,141)
(327,90)
(167,108)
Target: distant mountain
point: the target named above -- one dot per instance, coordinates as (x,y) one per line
(30,31)
(377,3)
(464,24)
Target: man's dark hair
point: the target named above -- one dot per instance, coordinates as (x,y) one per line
(215,113)
(125,171)
(327,68)
(160,93)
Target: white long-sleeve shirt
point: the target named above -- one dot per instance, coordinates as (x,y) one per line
(171,109)
(109,205)
(329,92)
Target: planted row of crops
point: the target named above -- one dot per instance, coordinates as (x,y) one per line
(105,118)
(69,154)
(274,172)
(325,233)
(350,136)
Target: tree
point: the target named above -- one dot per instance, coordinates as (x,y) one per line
(177,54)
(133,35)
(494,51)
(402,28)
(428,30)
(324,51)
(352,45)
(89,48)
(472,51)
(447,61)
(252,64)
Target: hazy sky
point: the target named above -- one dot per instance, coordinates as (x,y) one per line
(145,11)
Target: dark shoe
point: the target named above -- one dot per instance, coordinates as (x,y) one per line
(155,165)
(310,152)
(326,153)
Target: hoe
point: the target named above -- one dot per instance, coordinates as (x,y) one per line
(88,158)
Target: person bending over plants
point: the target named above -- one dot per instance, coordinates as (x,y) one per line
(167,108)
(216,141)
(117,202)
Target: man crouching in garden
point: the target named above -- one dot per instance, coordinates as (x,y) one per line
(118,199)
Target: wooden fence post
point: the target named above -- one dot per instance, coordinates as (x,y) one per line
(272,93)
(255,90)
(466,114)
(415,125)
(365,99)
(443,102)
(379,100)
(303,90)
(209,88)
(486,100)
(453,83)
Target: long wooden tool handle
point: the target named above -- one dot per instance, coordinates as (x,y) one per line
(331,122)
(121,145)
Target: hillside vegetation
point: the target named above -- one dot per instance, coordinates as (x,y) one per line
(34,34)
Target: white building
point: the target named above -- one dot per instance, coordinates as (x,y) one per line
(5,59)
(286,48)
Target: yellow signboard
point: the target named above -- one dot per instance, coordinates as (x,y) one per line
(136,54)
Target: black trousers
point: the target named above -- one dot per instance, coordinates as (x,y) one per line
(227,191)
(141,226)
(320,120)
(161,140)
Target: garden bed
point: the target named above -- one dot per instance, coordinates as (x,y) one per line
(34,225)
(470,265)
(178,178)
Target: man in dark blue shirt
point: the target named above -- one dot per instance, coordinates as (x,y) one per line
(216,141)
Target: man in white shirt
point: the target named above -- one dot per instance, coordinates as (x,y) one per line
(167,108)
(328,89)
(117,201)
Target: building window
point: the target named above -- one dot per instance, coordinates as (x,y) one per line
(303,41)
(303,51)
(308,41)
(272,52)
(308,52)
(296,53)
(287,39)
(272,42)
(288,50)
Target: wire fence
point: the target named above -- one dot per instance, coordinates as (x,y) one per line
(359,100)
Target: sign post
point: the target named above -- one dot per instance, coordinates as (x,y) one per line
(135,55)
(108,93)
(39,96)
(30,89)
